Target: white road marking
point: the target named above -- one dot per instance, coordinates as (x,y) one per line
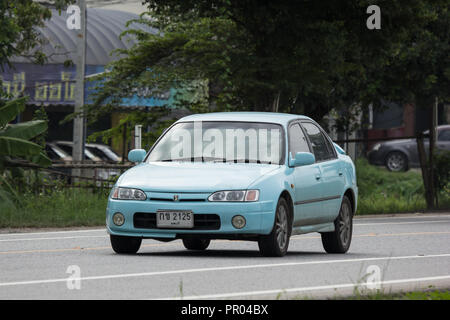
(50,232)
(55,238)
(395,223)
(227,268)
(306,289)
(407,216)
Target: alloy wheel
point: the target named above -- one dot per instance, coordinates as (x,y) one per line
(282,227)
(345,224)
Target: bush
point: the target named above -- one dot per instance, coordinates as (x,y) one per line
(382,191)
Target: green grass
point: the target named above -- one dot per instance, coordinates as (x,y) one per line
(382,191)
(60,208)
(412,295)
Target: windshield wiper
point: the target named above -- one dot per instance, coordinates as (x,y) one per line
(194,159)
(248,161)
(212,159)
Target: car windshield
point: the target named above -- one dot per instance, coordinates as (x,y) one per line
(214,141)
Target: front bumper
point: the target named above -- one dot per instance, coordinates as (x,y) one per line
(376,157)
(259,216)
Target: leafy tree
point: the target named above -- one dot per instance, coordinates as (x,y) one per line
(18,36)
(18,33)
(15,143)
(305,57)
(302,56)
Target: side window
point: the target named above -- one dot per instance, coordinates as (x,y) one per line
(320,144)
(444,135)
(297,140)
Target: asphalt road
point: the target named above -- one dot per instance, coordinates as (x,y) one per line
(409,251)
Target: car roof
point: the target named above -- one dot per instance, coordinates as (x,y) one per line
(269,117)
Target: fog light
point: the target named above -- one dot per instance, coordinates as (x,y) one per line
(118,219)
(238,222)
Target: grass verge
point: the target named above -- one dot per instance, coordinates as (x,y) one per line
(59,208)
(382,191)
(413,295)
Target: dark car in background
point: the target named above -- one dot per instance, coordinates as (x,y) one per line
(402,154)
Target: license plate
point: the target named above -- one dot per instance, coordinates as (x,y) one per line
(174,219)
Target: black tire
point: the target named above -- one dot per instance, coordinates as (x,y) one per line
(196,243)
(277,242)
(125,245)
(396,161)
(339,240)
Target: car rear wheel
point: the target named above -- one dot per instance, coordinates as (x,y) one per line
(396,161)
(196,244)
(339,240)
(276,243)
(125,245)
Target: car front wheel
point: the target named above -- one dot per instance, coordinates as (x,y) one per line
(125,245)
(339,240)
(396,161)
(276,243)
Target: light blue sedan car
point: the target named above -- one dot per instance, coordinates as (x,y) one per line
(240,176)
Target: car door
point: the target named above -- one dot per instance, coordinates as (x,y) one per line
(307,183)
(332,179)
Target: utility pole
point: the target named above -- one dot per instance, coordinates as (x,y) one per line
(138,136)
(79,123)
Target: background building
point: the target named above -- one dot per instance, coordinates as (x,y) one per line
(52,84)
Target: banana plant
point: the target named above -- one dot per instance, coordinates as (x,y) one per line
(15,144)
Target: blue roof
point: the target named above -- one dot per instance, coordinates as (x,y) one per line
(270,117)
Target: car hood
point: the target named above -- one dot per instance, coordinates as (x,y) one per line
(193,176)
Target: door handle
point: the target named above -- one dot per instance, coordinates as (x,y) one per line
(318,176)
(340,174)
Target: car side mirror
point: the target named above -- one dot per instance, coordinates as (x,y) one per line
(136,155)
(301,159)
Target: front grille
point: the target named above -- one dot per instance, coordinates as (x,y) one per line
(146,220)
(179,200)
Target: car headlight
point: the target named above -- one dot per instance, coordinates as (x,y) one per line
(376,147)
(235,195)
(128,194)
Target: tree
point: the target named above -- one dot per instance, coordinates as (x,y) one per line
(419,73)
(302,57)
(18,36)
(18,33)
(15,143)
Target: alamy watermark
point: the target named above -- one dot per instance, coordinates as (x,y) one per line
(374,20)
(222,143)
(373,277)
(73,282)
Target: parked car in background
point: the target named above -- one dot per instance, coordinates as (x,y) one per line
(101,173)
(244,176)
(104,152)
(67,146)
(402,154)
(56,154)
